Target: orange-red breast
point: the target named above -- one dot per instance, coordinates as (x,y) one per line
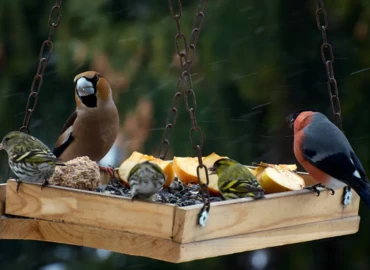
(324,151)
(92,129)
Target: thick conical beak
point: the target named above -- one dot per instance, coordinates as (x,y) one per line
(1,146)
(212,170)
(291,123)
(84,87)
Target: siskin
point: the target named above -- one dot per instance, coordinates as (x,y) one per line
(145,179)
(235,180)
(29,159)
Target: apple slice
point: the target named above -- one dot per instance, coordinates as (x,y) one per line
(279,178)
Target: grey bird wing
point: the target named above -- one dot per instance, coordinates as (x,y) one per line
(329,150)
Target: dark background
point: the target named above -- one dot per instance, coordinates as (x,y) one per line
(257,62)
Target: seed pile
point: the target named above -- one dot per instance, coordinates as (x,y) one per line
(177,193)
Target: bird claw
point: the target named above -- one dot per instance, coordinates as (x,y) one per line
(315,189)
(19,182)
(44,184)
(109,170)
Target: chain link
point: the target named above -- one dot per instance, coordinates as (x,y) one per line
(197,26)
(44,55)
(170,123)
(327,57)
(186,52)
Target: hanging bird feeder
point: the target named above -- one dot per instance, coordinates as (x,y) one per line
(171,233)
(166,231)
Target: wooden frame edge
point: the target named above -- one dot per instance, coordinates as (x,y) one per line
(2,198)
(269,238)
(166,250)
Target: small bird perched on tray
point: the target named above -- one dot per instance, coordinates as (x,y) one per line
(145,179)
(235,180)
(29,159)
(92,129)
(324,151)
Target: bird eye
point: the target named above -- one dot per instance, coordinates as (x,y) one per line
(95,78)
(7,139)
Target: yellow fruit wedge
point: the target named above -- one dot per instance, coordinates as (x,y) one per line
(186,170)
(275,178)
(263,165)
(290,167)
(136,157)
(253,171)
(213,179)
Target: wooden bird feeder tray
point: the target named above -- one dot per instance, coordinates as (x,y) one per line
(167,232)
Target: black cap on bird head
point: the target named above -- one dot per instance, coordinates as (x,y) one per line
(294,116)
(221,165)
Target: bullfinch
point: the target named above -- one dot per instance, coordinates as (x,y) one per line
(93,127)
(324,151)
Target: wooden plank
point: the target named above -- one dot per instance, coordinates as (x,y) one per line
(241,216)
(88,236)
(2,198)
(270,238)
(166,250)
(90,208)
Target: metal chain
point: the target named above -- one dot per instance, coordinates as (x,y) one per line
(46,48)
(327,57)
(194,37)
(170,123)
(327,52)
(186,53)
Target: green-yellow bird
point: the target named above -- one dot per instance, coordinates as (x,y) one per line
(235,180)
(29,159)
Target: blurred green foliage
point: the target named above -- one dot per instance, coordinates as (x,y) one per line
(256,62)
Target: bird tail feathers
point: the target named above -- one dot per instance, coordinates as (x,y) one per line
(364,191)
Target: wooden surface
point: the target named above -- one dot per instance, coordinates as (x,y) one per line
(277,210)
(90,208)
(166,250)
(2,198)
